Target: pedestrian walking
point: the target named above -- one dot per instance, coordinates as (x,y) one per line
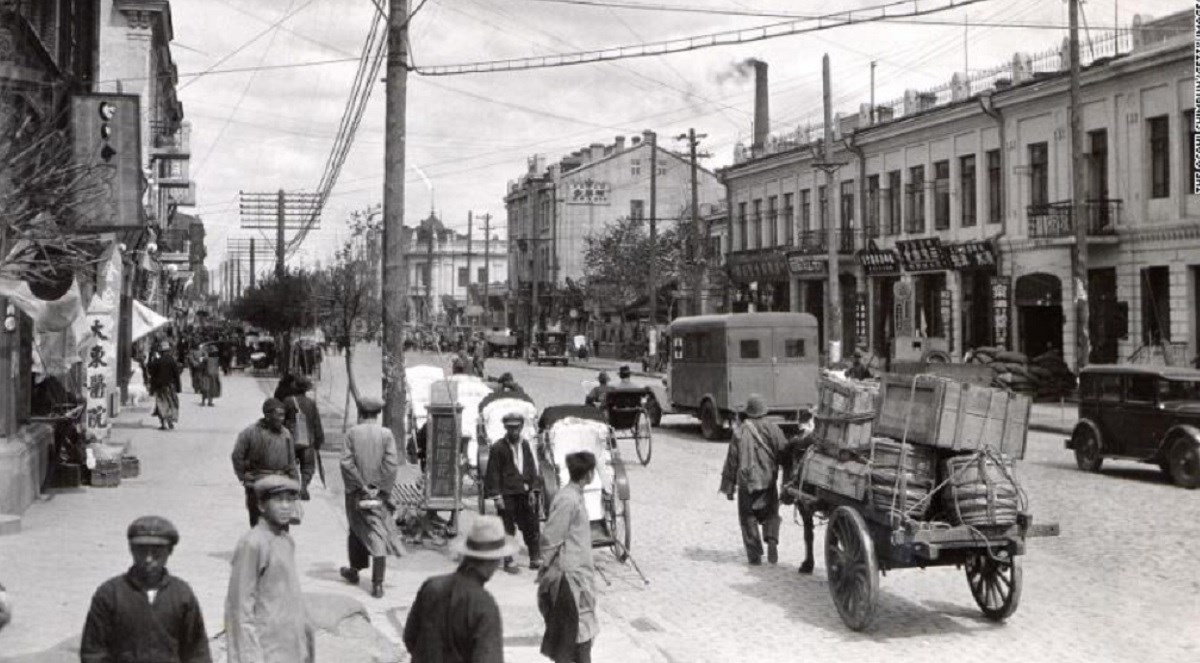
(752,469)
(514,483)
(369,462)
(454,619)
(797,446)
(567,583)
(265,618)
(210,374)
(146,615)
(197,361)
(163,381)
(263,449)
(303,420)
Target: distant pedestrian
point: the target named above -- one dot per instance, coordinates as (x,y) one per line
(210,375)
(514,482)
(265,617)
(163,380)
(264,448)
(567,584)
(197,361)
(303,420)
(454,618)
(146,615)
(369,462)
(595,397)
(752,469)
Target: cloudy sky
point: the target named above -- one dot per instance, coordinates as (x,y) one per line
(469,135)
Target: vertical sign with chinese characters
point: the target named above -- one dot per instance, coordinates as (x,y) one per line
(946,303)
(902,295)
(100,357)
(1001,310)
(860,319)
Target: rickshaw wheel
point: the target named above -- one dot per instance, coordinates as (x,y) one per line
(619,527)
(995,581)
(852,568)
(643,440)
(710,425)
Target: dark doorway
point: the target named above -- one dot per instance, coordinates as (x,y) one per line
(1156,305)
(848,285)
(814,303)
(1102,316)
(885,325)
(1040,313)
(976,309)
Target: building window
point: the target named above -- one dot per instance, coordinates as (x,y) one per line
(482,275)
(635,167)
(741,236)
(1160,157)
(637,209)
(847,208)
(994,200)
(773,220)
(758,222)
(872,225)
(464,277)
(823,211)
(806,210)
(894,189)
(662,171)
(1189,156)
(789,218)
(424,274)
(915,214)
(1039,174)
(1156,305)
(966,189)
(941,195)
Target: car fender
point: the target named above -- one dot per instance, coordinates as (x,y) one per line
(1085,423)
(659,393)
(1186,431)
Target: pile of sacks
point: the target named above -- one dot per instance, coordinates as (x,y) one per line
(1044,376)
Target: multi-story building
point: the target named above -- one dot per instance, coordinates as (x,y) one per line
(445,266)
(553,209)
(954,207)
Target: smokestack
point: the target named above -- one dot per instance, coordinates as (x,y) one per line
(762,116)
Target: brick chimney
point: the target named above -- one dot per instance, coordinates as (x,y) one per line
(762,115)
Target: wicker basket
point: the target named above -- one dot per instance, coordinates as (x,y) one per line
(107,474)
(131,467)
(981,490)
(902,476)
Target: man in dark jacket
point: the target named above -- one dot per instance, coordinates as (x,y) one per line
(309,441)
(514,483)
(752,469)
(797,446)
(162,381)
(146,615)
(454,619)
(262,449)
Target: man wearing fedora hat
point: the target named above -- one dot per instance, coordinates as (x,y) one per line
(453,617)
(146,614)
(751,468)
(514,482)
(265,618)
(369,461)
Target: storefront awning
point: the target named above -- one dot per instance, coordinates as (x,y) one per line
(145,320)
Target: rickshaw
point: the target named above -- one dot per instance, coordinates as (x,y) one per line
(548,347)
(625,409)
(490,429)
(566,429)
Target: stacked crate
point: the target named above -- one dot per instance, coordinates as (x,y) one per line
(842,434)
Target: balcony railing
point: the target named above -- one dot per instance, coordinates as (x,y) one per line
(816,242)
(1055,220)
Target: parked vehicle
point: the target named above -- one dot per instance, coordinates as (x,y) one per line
(1149,414)
(548,348)
(717,361)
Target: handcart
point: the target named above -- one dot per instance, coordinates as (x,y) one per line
(469,392)
(625,408)
(566,429)
(490,429)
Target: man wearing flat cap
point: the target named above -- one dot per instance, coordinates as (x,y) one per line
(513,481)
(265,618)
(751,469)
(146,615)
(265,448)
(369,461)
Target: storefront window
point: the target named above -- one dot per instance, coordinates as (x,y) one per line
(928,319)
(994,206)
(872,225)
(789,218)
(757,229)
(915,214)
(1039,174)
(772,221)
(894,188)
(805,210)
(741,226)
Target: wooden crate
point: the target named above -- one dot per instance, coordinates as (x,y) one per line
(843,433)
(943,413)
(848,478)
(838,396)
(909,412)
(131,467)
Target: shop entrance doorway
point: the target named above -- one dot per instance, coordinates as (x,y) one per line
(1040,313)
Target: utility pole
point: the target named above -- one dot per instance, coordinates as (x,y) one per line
(279,211)
(253,270)
(470,230)
(280,268)
(487,268)
(653,297)
(1078,207)
(833,311)
(699,241)
(393,217)
(239,277)
(533,304)
(429,275)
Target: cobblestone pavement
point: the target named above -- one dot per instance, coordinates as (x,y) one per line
(1121,583)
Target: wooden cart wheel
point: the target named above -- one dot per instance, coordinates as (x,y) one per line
(710,425)
(619,527)
(852,568)
(1087,450)
(642,438)
(995,581)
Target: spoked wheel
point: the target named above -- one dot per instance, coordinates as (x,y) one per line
(995,581)
(619,527)
(1087,450)
(1184,463)
(710,425)
(643,440)
(852,568)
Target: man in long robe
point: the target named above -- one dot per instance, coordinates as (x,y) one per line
(162,378)
(210,375)
(369,462)
(265,617)
(567,586)
(751,470)
(146,615)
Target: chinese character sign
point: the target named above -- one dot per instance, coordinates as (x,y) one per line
(1001,310)
(860,319)
(587,192)
(100,357)
(902,295)
(946,303)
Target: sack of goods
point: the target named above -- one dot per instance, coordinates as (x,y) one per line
(845,413)
(902,477)
(981,490)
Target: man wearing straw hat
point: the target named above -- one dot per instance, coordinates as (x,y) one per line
(751,468)
(453,617)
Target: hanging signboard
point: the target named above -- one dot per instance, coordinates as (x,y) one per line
(588,192)
(971,255)
(946,304)
(100,354)
(902,294)
(802,264)
(751,266)
(878,262)
(860,319)
(922,255)
(443,479)
(1001,310)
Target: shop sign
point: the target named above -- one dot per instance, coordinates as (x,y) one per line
(860,319)
(587,192)
(946,303)
(801,264)
(756,266)
(1001,287)
(902,296)
(879,262)
(922,255)
(971,255)
(100,356)
(443,484)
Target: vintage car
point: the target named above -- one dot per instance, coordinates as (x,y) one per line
(1149,414)
(548,348)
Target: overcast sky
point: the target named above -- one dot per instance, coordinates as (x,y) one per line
(470,135)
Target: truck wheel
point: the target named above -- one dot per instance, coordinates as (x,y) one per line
(935,357)
(710,422)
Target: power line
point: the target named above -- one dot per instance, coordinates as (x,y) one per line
(270,29)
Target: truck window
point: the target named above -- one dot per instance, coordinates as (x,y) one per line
(793,348)
(1108,388)
(1139,388)
(1178,390)
(750,349)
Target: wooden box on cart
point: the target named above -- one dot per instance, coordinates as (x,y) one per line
(952,415)
(847,478)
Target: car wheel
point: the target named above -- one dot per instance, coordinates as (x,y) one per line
(1087,450)
(1185,463)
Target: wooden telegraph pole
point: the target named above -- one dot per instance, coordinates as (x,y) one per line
(653,295)
(1078,207)
(470,231)
(487,268)
(393,218)
(833,297)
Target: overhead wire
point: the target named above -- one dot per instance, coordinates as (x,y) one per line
(225,58)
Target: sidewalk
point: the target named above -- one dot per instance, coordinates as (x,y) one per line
(1054,417)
